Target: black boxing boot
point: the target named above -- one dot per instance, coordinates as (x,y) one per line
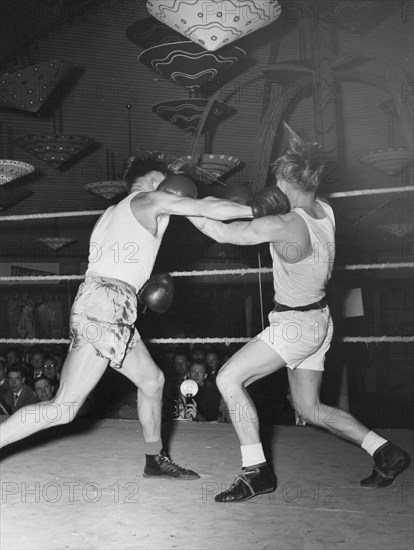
(389,462)
(254,480)
(162,466)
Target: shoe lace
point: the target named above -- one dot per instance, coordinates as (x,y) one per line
(172,464)
(237,477)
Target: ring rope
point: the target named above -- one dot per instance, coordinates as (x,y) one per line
(336,195)
(208,272)
(227,341)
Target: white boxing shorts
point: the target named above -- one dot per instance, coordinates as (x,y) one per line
(301,338)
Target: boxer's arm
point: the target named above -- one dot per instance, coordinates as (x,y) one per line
(257,231)
(209,207)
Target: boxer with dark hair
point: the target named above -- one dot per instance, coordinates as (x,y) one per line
(123,248)
(302,246)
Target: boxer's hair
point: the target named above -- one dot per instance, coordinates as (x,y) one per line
(137,167)
(301,165)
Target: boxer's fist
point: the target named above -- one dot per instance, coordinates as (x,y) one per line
(269,202)
(157,293)
(179,185)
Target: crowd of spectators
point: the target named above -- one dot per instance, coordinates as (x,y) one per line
(28,375)
(31,375)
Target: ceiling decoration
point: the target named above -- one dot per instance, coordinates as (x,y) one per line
(106,189)
(210,167)
(54,149)
(191,66)
(187,113)
(390,161)
(56,243)
(28,88)
(149,32)
(216,23)
(13,169)
(10,197)
(398,230)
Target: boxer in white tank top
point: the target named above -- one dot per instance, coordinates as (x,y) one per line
(123,248)
(302,245)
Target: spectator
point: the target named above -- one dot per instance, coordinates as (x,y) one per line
(172,399)
(13,357)
(3,373)
(205,405)
(50,370)
(22,393)
(213,365)
(43,388)
(6,395)
(36,361)
(198,353)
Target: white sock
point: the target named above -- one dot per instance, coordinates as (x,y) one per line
(372,442)
(252,454)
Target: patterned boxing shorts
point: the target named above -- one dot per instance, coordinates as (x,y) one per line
(301,338)
(103,314)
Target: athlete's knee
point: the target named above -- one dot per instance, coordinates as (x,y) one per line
(153,385)
(58,412)
(226,378)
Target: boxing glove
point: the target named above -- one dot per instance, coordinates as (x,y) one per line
(157,293)
(237,192)
(180,185)
(269,202)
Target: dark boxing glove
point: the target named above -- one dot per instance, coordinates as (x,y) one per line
(269,202)
(157,293)
(179,185)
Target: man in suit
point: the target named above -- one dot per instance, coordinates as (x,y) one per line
(6,398)
(22,394)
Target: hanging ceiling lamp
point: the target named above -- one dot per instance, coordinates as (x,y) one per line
(56,243)
(149,32)
(187,113)
(54,149)
(210,167)
(10,197)
(13,169)
(215,23)
(106,189)
(391,160)
(191,66)
(28,88)
(398,230)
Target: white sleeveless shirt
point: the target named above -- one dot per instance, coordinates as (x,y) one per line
(121,248)
(303,282)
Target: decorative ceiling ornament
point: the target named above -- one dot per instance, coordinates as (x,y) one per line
(13,169)
(389,161)
(187,113)
(10,197)
(211,167)
(149,32)
(106,189)
(397,229)
(191,66)
(216,23)
(28,88)
(56,243)
(54,149)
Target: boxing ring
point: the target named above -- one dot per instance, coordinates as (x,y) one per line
(81,485)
